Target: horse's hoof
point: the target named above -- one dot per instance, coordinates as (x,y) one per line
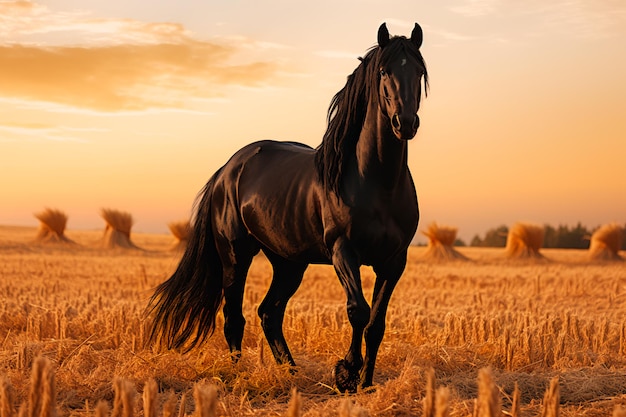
(346,378)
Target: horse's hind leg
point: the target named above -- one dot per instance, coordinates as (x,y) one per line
(286,280)
(236,263)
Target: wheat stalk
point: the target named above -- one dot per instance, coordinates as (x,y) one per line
(516,403)
(150,403)
(183,401)
(551,399)
(169,406)
(441,401)
(429,397)
(205,396)
(124,398)
(117,230)
(348,409)
(102,409)
(441,243)
(6,398)
(524,241)
(295,404)
(42,396)
(52,223)
(180,229)
(488,403)
(619,411)
(606,242)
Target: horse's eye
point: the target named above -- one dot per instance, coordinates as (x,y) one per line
(382,72)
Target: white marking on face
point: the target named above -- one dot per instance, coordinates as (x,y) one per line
(403,63)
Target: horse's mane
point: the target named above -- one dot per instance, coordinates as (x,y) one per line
(346,113)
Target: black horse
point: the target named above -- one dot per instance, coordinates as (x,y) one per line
(350,202)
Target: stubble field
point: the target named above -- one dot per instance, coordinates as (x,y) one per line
(512,322)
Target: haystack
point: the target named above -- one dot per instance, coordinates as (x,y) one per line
(52,225)
(606,243)
(117,231)
(181,231)
(524,241)
(441,243)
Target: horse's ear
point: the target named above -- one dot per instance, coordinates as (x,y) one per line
(417,36)
(383,35)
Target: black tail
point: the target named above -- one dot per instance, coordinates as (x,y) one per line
(184,307)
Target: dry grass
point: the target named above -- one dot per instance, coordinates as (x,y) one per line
(181,231)
(72,331)
(606,243)
(117,230)
(552,400)
(52,223)
(524,241)
(488,403)
(441,243)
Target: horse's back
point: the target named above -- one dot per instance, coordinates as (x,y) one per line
(271,189)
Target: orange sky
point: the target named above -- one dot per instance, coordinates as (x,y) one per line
(133,105)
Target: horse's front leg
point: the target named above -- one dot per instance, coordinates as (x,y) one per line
(346,265)
(386,279)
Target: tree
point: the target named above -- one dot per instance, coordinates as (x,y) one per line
(493,238)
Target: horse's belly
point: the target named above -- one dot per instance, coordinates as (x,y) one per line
(288,230)
(278,202)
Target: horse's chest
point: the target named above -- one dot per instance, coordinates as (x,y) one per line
(380,231)
(377,225)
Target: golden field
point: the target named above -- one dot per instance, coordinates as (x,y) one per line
(529,323)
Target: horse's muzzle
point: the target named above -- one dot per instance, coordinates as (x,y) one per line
(405,127)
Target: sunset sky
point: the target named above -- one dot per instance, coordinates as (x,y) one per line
(133,104)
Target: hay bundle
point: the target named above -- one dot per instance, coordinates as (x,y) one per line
(117,231)
(52,224)
(606,243)
(441,243)
(524,241)
(181,231)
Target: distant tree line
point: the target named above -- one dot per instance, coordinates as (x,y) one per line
(563,236)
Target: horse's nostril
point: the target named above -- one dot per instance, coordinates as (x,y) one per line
(416,122)
(395,122)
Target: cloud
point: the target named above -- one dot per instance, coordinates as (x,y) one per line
(24,21)
(35,131)
(123,77)
(584,18)
(578,18)
(252,44)
(114,65)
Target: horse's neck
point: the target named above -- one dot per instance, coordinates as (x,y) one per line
(380,156)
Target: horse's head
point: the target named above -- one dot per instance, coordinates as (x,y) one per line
(401,69)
